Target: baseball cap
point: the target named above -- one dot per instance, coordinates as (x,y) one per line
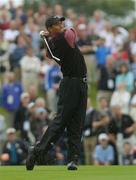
(11,131)
(103,136)
(53,20)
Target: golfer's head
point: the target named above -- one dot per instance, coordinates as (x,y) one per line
(55,24)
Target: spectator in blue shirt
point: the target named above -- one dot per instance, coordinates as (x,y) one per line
(102,52)
(103,153)
(11,92)
(18,52)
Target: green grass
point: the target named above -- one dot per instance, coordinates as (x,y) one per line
(92,93)
(3,112)
(61,173)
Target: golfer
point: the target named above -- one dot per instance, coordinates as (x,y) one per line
(72,101)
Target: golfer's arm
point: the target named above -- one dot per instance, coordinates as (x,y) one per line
(70,36)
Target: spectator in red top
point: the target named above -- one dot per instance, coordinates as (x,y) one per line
(4,19)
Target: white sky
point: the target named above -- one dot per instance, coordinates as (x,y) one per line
(15,2)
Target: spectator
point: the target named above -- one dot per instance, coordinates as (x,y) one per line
(17,53)
(104,108)
(52,80)
(39,118)
(120,36)
(33,93)
(101,53)
(30,116)
(11,33)
(104,153)
(97,23)
(90,130)
(4,55)
(45,66)
(2,131)
(5,19)
(121,98)
(58,10)
(96,123)
(85,45)
(133,66)
(14,149)
(40,102)
(21,122)
(132,106)
(69,20)
(125,77)
(12,9)
(11,92)
(39,123)
(122,127)
(40,15)
(121,57)
(132,43)
(127,157)
(84,41)
(32,30)
(107,35)
(31,71)
(106,81)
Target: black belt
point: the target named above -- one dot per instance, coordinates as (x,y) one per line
(84,79)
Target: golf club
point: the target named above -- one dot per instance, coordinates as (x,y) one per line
(47,45)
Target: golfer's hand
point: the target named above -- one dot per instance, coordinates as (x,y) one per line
(44,33)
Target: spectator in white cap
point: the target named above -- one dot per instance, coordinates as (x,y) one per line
(14,150)
(11,131)
(103,153)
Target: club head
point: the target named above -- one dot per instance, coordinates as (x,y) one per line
(55,58)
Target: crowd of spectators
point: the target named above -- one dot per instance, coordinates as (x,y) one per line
(29,83)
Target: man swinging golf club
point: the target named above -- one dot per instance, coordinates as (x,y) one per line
(72,101)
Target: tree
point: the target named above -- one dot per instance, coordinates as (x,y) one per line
(115,7)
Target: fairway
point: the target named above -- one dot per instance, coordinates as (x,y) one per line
(60,173)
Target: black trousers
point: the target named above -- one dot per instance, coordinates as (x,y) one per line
(70,115)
